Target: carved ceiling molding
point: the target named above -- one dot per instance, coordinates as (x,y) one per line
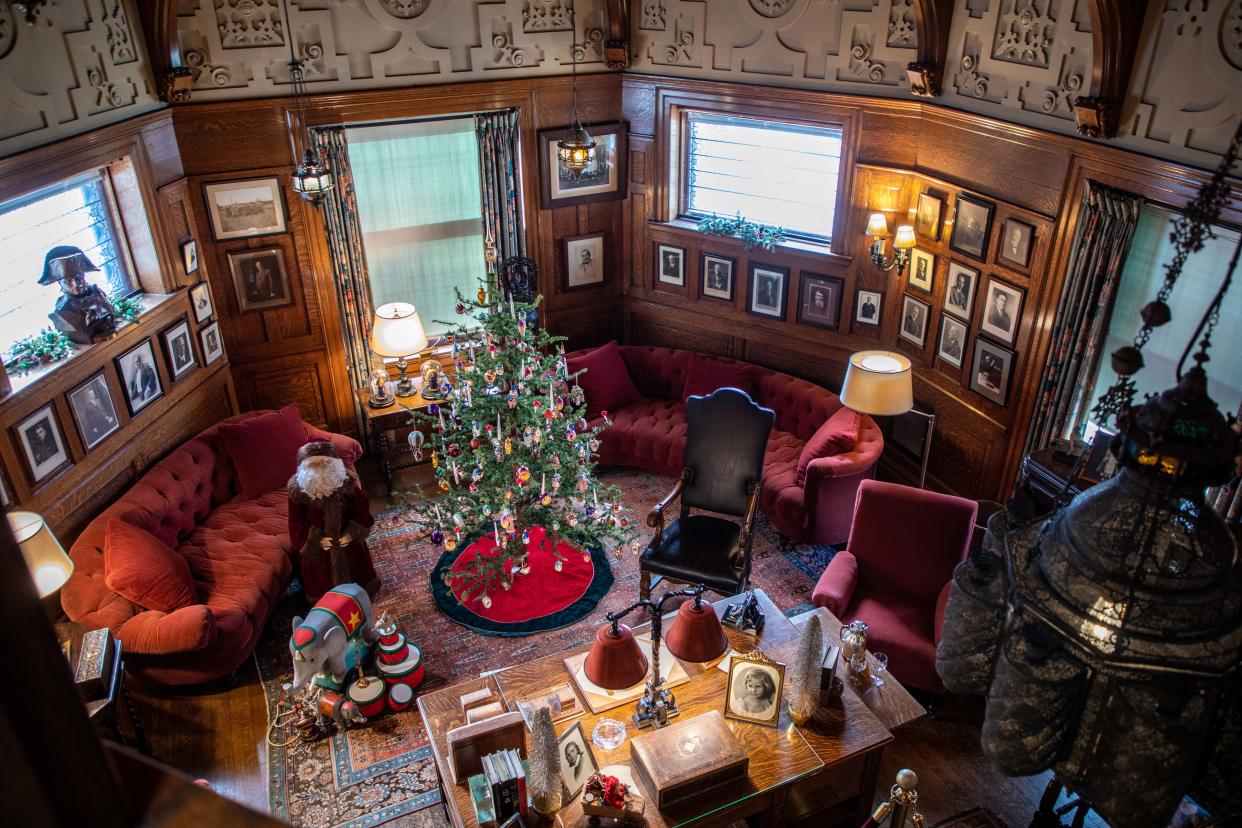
(932,19)
(1115,32)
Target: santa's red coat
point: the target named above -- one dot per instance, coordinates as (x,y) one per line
(308,519)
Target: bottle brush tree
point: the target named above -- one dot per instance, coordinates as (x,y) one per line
(807,673)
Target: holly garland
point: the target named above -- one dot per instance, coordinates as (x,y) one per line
(512,450)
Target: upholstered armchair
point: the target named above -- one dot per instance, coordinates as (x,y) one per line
(895,572)
(726,436)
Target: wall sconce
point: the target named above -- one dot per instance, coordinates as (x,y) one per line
(877,229)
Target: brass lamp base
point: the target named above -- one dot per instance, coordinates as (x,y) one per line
(655,708)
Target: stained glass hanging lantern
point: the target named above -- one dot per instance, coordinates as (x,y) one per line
(576,151)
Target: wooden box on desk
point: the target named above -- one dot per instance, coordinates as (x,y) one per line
(468,744)
(688,759)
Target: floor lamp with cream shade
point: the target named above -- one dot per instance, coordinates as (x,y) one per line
(881,384)
(49,566)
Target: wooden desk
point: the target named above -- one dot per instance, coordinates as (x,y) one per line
(823,773)
(381,421)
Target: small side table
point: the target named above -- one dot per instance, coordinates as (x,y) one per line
(381,421)
(103,712)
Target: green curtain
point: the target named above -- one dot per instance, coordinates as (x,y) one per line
(498,157)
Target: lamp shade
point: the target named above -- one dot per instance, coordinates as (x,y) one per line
(877,225)
(696,634)
(880,383)
(904,240)
(49,566)
(615,661)
(397,331)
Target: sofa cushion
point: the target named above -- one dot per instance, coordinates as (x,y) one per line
(264,449)
(781,498)
(705,374)
(605,381)
(649,434)
(837,435)
(143,569)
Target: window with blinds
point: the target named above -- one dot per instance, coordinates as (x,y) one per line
(772,172)
(76,212)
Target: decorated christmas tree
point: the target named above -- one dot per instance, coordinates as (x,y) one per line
(512,451)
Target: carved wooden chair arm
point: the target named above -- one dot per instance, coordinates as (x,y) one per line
(748,520)
(655,518)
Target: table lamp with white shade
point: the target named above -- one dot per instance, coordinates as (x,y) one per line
(397,333)
(49,566)
(881,384)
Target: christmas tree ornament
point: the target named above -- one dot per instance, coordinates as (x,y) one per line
(437,537)
(508,446)
(556,481)
(571,433)
(460,307)
(526,537)
(450,543)
(482,295)
(558,566)
(512,398)
(486,601)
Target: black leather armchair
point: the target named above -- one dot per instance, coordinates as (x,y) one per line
(726,437)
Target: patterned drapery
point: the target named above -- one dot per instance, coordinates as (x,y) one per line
(498,158)
(1105,229)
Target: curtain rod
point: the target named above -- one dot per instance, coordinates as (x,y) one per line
(427,119)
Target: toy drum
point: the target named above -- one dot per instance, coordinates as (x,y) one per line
(393,653)
(367,693)
(400,696)
(409,671)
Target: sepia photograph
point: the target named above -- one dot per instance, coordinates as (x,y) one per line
(768,286)
(200,299)
(602,179)
(927,217)
(213,347)
(754,689)
(989,374)
(820,303)
(952,340)
(914,320)
(1015,246)
(670,264)
(959,296)
(42,443)
(242,209)
(140,380)
(179,349)
(1002,309)
(972,221)
(718,277)
(93,410)
(584,261)
(259,279)
(577,761)
(922,269)
(867,307)
(189,256)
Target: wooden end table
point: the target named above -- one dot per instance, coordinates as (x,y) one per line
(382,421)
(104,711)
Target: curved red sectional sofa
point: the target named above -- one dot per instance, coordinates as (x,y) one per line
(237,549)
(650,433)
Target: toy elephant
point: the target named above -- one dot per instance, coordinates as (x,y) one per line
(335,636)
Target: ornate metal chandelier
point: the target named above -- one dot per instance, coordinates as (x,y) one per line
(1108,636)
(576,151)
(311,177)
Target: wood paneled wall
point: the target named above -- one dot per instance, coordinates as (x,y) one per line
(294,353)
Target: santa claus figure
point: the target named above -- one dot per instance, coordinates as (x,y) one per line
(329,517)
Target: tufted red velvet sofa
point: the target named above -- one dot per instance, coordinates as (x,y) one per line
(237,548)
(651,434)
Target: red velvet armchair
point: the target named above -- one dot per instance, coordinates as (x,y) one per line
(895,572)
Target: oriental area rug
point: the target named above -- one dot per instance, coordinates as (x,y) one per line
(384,769)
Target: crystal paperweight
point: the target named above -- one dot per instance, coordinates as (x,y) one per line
(608,734)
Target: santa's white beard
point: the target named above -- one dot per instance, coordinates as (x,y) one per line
(320,476)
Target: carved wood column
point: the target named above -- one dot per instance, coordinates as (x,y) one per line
(617,47)
(1115,30)
(931,21)
(159,29)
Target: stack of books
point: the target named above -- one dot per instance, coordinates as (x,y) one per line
(500,791)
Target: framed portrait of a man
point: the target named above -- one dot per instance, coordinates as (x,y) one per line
(260,280)
(42,443)
(1015,243)
(867,307)
(244,209)
(990,370)
(972,222)
(1002,308)
(922,269)
(768,287)
(213,346)
(200,300)
(914,316)
(952,342)
(959,295)
(584,261)
(717,272)
(927,216)
(179,349)
(670,265)
(93,410)
(604,178)
(189,256)
(820,301)
(577,761)
(140,379)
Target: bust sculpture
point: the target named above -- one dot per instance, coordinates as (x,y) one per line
(83,313)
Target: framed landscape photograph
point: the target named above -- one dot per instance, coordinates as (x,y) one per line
(42,443)
(972,223)
(820,302)
(577,761)
(717,273)
(140,380)
(1015,243)
(189,256)
(602,180)
(990,370)
(952,342)
(200,299)
(927,217)
(914,316)
(259,279)
(768,289)
(243,209)
(213,347)
(867,304)
(959,295)
(584,261)
(1002,308)
(93,410)
(178,349)
(670,265)
(922,269)
(753,693)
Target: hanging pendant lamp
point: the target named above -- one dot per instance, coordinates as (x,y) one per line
(576,151)
(312,178)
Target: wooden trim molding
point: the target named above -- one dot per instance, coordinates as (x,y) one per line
(931,20)
(159,29)
(617,46)
(1115,32)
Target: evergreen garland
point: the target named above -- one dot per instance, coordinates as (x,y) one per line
(45,347)
(751,233)
(127,307)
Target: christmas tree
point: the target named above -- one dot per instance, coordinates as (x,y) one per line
(512,450)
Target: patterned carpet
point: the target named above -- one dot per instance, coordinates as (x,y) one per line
(383,770)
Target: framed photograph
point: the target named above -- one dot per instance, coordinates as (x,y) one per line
(952,343)
(914,315)
(179,349)
(259,279)
(959,296)
(189,256)
(927,217)
(140,380)
(577,761)
(6,500)
(1015,246)
(717,272)
(990,370)
(922,269)
(200,300)
(1002,308)
(584,261)
(670,265)
(603,180)
(213,347)
(244,209)
(754,689)
(867,305)
(768,289)
(43,443)
(972,222)
(820,302)
(93,410)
